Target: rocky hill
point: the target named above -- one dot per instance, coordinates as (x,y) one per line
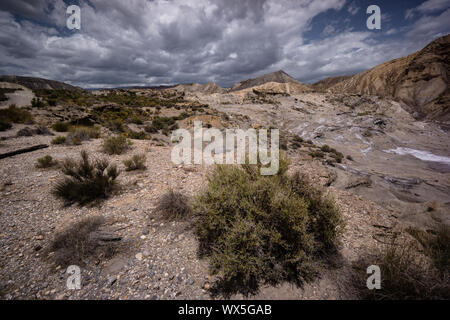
(420,80)
(326,83)
(272,83)
(202,88)
(37,83)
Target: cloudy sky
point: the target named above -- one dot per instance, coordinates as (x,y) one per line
(153,42)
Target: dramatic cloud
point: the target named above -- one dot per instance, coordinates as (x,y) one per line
(142,42)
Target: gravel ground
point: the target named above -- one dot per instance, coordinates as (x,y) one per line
(157,258)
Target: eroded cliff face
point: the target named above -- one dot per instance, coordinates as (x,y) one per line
(419,80)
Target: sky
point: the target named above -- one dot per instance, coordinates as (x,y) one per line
(162,42)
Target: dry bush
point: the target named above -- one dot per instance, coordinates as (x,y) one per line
(86,181)
(406,274)
(59,140)
(136,162)
(46,162)
(264,229)
(173,205)
(116,145)
(78,134)
(61,126)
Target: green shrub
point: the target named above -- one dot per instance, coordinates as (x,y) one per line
(45,162)
(317,154)
(297,142)
(77,134)
(337,156)
(37,103)
(61,126)
(15,115)
(116,144)
(59,140)
(160,123)
(326,148)
(138,135)
(136,120)
(173,205)
(263,229)
(116,125)
(86,181)
(136,162)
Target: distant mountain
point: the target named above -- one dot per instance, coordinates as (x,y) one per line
(37,83)
(276,82)
(202,88)
(420,80)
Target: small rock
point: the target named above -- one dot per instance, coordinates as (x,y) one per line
(112,280)
(139,256)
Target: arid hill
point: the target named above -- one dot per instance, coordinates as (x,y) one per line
(37,83)
(326,83)
(420,80)
(272,83)
(203,88)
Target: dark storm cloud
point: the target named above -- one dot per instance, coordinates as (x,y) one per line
(160,42)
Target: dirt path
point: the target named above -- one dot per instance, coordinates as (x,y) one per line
(21,98)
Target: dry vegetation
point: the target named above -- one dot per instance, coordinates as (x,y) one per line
(85,180)
(264,230)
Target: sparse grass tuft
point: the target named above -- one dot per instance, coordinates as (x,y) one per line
(136,162)
(59,140)
(61,126)
(173,205)
(116,144)
(436,246)
(405,275)
(46,162)
(86,181)
(78,134)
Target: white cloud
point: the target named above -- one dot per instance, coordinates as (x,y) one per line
(329,29)
(427,7)
(162,42)
(353,8)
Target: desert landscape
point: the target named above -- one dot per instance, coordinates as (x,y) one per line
(377,142)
